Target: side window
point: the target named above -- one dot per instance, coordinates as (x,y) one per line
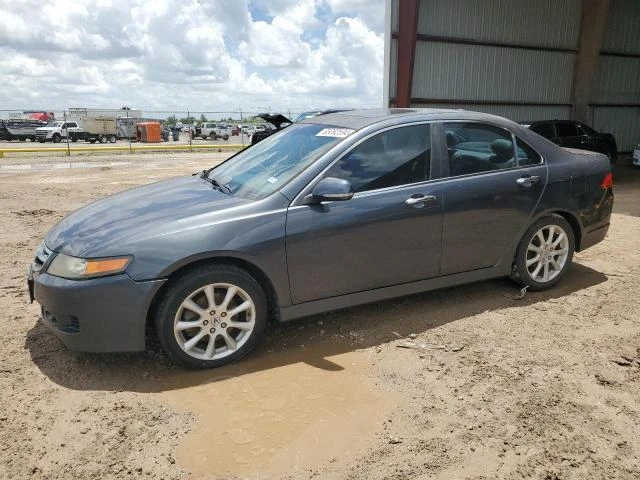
(476,148)
(526,154)
(566,129)
(544,129)
(396,157)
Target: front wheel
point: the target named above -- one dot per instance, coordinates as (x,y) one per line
(544,253)
(211,316)
(56,138)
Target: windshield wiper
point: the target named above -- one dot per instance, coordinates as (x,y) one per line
(216,184)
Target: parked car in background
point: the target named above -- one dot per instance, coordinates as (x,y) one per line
(210,130)
(223,131)
(235,130)
(332,212)
(572,134)
(276,120)
(636,156)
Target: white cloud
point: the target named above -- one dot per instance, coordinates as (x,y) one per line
(202,54)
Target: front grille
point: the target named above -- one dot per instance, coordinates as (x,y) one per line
(40,135)
(42,255)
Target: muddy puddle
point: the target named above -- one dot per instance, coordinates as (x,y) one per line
(285,419)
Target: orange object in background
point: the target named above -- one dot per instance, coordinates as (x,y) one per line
(148,132)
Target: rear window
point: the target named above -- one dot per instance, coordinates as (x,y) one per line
(567,129)
(544,129)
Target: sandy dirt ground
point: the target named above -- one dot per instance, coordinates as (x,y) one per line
(467,382)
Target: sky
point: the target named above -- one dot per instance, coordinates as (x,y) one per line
(206,55)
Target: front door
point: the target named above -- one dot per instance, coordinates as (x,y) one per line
(489,195)
(389,233)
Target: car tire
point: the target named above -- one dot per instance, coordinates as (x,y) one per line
(196,288)
(112,139)
(102,139)
(544,253)
(56,138)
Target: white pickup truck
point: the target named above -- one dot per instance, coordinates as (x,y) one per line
(58,130)
(211,130)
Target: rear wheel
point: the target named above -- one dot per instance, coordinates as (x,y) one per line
(102,139)
(112,139)
(545,253)
(211,316)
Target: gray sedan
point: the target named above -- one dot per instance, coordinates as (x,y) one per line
(334,211)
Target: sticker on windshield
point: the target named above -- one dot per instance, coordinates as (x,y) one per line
(334,132)
(272,179)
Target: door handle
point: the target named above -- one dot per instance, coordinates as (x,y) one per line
(418,201)
(528,181)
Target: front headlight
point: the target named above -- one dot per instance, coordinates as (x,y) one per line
(66,266)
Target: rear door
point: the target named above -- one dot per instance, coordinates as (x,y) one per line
(489,194)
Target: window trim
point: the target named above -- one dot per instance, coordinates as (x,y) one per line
(444,168)
(432,126)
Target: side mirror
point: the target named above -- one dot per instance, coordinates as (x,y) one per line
(330,189)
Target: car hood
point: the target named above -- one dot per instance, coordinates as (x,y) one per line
(109,226)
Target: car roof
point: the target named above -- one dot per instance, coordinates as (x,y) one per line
(358,119)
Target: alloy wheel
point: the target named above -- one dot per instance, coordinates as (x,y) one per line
(214,321)
(547,253)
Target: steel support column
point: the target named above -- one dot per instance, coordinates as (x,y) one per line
(407,35)
(594,18)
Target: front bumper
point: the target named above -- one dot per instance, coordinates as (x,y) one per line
(99,315)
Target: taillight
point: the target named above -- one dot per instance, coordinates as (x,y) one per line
(607,182)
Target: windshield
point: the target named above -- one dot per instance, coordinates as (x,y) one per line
(54,124)
(265,167)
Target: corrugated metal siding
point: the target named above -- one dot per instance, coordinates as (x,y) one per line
(394,15)
(393,65)
(617,80)
(623,122)
(472,72)
(517,113)
(549,23)
(622,33)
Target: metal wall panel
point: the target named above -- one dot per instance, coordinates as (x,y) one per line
(617,80)
(517,113)
(394,15)
(393,68)
(623,122)
(622,33)
(473,72)
(549,23)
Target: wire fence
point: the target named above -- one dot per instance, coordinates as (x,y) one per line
(76,128)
